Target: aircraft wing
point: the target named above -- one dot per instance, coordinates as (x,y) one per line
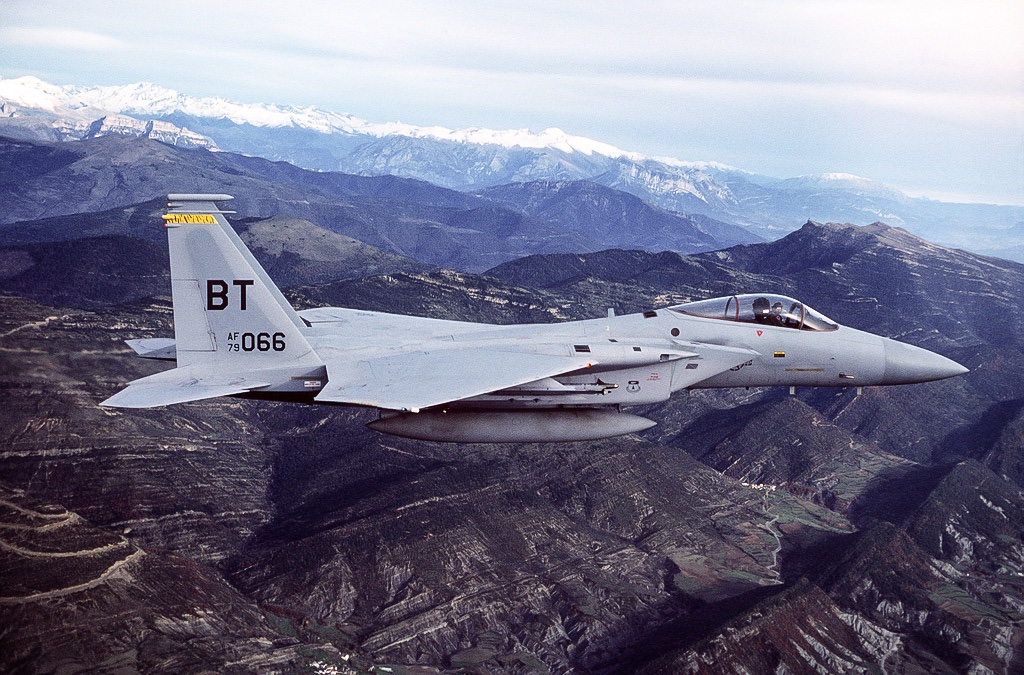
(421,379)
(179,385)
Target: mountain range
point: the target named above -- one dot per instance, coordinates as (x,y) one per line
(479,159)
(58,182)
(749,531)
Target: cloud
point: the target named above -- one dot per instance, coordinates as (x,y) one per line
(59,38)
(805,81)
(963,62)
(957,43)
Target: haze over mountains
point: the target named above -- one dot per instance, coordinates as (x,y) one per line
(749,531)
(403,216)
(474,159)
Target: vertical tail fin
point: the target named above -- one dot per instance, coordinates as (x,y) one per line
(227,311)
(234,332)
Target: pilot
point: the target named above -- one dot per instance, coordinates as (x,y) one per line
(777,319)
(762,310)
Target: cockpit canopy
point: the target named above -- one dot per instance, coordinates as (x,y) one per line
(759,308)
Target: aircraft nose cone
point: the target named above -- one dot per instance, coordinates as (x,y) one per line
(907,364)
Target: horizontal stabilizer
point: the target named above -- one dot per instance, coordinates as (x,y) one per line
(417,380)
(188,197)
(179,386)
(154,348)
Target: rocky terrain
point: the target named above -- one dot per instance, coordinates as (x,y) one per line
(749,531)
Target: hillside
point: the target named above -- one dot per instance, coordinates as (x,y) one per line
(405,217)
(476,159)
(748,529)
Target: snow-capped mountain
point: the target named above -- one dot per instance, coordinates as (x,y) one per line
(148,100)
(475,159)
(463,159)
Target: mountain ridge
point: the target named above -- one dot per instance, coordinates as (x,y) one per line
(475,158)
(836,530)
(338,547)
(404,216)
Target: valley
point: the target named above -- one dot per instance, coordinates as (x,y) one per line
(748,530)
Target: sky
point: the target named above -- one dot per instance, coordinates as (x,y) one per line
(926,96)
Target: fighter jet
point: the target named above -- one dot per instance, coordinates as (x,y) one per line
(236,335)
